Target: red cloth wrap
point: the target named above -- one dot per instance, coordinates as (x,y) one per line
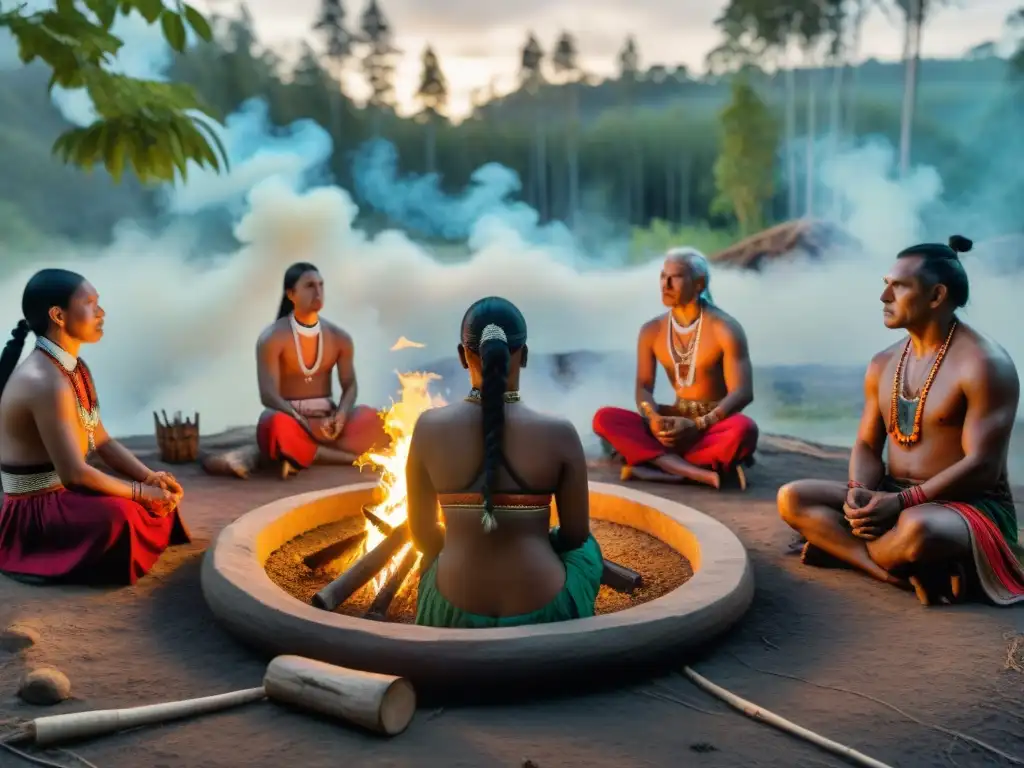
(722,446)
(282,438)
(76,535)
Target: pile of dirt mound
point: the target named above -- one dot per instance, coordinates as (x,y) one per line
(807,237)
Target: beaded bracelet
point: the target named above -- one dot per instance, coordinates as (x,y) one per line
(912,497)
(850,485)
(136,490)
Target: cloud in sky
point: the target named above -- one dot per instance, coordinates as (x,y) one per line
(478,41)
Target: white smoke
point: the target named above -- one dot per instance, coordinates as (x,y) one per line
(181,333)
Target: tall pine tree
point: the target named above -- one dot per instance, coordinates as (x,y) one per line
(378,61)
(337,42)
(432,95)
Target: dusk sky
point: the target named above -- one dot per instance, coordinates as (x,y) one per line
(478,41)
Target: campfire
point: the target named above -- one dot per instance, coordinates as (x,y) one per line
(387,556)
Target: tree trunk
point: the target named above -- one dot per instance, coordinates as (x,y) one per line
(854,73)
(431,144)
(812,130)
(573,156)
(791,177)
(911,58)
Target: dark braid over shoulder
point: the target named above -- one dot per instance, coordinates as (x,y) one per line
(494,357)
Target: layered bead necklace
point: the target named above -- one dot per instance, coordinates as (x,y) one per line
(895,427)
(299,330)
(475,396)
(686,355)
(81,381)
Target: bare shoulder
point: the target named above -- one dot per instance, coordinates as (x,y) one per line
(556,428)
(273,334)
(652,327)
(727,327)
(882,359)
(336,332)
(985,359)
(36,381)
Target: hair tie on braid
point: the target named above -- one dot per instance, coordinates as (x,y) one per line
(493,331)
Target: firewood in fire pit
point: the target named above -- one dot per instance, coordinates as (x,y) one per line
(333,551)
(378,522)
(378,610)
(362,570)
(620,578)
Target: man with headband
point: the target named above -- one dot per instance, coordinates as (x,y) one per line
(943,401)
(704,434)
(295,356)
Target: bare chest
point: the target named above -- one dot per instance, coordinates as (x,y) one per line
(308,355)
(692,361)
(938,405)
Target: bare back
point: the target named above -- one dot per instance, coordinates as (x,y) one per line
(38,416)
(513,568)
(720,334)
(278,362)
(974,391)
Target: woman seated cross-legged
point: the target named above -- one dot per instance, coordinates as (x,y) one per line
(493,466)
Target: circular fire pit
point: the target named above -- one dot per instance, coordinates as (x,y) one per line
(261,614)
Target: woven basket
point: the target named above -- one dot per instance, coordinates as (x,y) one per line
(178,440)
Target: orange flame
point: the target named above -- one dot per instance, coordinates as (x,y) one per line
(399,421)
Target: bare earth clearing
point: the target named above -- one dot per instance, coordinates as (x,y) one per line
(945,666)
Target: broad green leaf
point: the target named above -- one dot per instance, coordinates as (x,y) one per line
(199,24)
(174,30)
(151,10)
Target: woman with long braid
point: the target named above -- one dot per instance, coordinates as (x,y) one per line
(495,563)
(63,519)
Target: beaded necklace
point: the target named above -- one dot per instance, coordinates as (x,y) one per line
(895,430)
(81,381)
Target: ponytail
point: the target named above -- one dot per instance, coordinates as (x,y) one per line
(12,352)
(286,307)
(494,358)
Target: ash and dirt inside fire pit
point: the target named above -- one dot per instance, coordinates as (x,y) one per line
(663,569)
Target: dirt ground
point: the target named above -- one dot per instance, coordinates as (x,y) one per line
(946,667)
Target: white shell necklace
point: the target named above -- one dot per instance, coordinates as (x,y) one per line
(687,356)
(298,330)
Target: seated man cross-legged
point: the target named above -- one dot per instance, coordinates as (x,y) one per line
(940,518)
(493,465)
(704,352)
(295,357)
(62,519)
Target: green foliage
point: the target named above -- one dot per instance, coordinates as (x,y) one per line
(433,89)
(153,128)
(653,241)
(745,168)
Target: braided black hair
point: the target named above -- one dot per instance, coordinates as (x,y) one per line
(940,265)
(46,289)
(292,276)
(495,352)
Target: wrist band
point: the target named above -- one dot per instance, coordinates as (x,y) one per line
(912,497)
(854,484)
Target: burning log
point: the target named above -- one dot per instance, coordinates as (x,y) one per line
(362,570)
(332,552)
(377,522)
(378,609)
(620,578)
(178,440)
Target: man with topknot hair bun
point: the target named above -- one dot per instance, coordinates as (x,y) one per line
(940,517)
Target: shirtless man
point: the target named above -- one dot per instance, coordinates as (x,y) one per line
(63,519)
(295,357)
(704,352)
(943,401)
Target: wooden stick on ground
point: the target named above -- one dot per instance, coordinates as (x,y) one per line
(620,578)
(378,610)
(381,703)
(753,711)
(379,523)
(361,571)
(333,551)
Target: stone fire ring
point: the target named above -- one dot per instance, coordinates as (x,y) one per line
(262,615)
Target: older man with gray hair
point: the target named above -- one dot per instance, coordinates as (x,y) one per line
(703,435)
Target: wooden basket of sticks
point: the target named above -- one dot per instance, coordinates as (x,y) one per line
(178,440)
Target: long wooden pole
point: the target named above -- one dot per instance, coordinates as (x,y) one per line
(378,609)
(362,570)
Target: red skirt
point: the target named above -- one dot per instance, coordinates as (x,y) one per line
(282,438)
(724,445)
(78,536)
